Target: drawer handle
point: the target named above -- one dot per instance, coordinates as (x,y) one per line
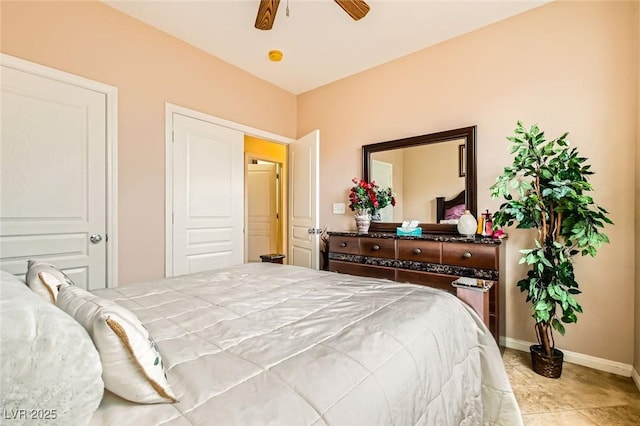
(343,244)
(375,247)
(466,254)
(417,251)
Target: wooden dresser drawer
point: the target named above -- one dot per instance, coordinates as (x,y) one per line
(362,270)
(349,245)
(470,255)
(429,279)
(420,251)
(378,247)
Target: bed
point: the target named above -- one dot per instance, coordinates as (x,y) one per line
(450,209)
(264,343)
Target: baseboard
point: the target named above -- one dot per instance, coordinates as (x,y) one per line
(581,359)
(636,378)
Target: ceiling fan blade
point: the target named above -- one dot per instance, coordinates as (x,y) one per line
(357,9)
(266,14)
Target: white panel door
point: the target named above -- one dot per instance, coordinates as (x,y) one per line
(208,195)
(304,182)
(262,220)
(53,176)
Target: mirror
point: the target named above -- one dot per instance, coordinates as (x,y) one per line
(427,173)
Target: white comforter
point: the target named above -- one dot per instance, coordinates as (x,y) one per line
(267,344)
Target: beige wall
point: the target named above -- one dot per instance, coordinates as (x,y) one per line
(149,68)
(568,66)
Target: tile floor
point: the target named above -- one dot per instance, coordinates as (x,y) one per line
(581,397)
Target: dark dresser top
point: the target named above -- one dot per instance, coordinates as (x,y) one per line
(429,237)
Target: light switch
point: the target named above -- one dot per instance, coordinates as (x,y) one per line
(338,208)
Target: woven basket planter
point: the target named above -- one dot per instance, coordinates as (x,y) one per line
(544,365)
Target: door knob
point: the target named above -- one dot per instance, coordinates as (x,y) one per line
(95,238)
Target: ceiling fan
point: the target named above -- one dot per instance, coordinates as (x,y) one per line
(357,9)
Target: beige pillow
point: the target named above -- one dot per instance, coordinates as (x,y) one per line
(132,367)
(44,279)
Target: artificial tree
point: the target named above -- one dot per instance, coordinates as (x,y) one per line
(546,189)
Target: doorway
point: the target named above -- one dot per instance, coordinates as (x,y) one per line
(299,229)
(265,206)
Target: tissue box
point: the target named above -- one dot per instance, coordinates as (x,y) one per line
(415,232)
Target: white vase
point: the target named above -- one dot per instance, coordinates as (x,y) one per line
(467,224)
(363,220)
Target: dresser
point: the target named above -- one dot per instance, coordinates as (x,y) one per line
(432,260)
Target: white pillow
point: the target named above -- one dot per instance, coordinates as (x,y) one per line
(44,279)
(132,367)
(48,362)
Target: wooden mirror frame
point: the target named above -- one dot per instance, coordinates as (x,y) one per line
(471,202)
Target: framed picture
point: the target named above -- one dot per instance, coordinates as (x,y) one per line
(462,164)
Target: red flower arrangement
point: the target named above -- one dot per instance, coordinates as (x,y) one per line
(369,196)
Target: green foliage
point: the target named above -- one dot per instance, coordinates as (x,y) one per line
(546,189)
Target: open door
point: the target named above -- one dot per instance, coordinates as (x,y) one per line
(304,192)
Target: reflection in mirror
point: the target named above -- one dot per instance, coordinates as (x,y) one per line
(418,175)
(433,175)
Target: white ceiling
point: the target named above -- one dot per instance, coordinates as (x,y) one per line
(320,42)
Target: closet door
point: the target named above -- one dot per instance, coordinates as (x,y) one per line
(262,210)
(53,176)
(208,195)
